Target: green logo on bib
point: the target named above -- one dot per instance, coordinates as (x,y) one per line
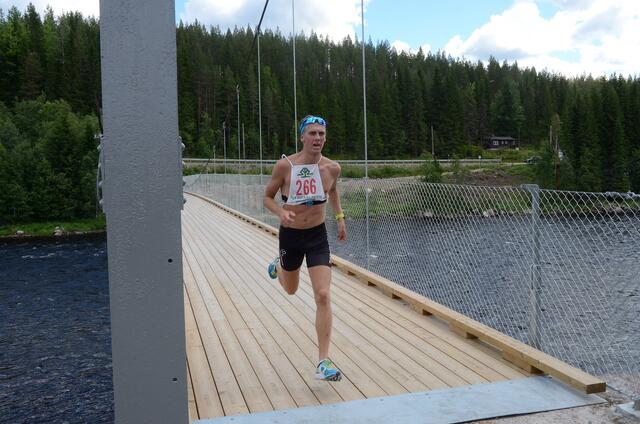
(304,173)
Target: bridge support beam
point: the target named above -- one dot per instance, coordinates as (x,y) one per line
(142,201)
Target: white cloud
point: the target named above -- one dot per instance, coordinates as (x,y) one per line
(86,7)
(334,18)
(603,33)
(402,46)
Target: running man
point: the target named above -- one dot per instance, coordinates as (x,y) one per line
(305,180)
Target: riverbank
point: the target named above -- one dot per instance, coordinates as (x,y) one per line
(93,227)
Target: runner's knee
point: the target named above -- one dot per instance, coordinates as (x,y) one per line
(322,296)
(291,289)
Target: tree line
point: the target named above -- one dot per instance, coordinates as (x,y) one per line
(52,62)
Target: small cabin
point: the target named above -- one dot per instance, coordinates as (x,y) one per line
(498,142)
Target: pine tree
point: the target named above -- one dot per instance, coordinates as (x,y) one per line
(613,145)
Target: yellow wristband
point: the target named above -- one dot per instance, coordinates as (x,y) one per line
(339,216)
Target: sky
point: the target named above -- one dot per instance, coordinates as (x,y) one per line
(572,37)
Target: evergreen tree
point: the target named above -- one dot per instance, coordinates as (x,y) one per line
(613,145)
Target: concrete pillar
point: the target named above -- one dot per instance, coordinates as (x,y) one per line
(142,200)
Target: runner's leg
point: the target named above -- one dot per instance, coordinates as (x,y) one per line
(321,282)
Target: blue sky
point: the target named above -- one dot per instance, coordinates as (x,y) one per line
(418,22)
(573,37)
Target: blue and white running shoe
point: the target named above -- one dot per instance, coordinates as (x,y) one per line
(328,371)
(272,269)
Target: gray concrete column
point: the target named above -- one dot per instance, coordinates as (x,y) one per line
(142,201)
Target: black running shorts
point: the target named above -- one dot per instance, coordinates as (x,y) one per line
(295,244)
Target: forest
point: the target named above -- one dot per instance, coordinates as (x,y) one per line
(50,100)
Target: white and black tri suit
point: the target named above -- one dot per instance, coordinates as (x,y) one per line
(305,188)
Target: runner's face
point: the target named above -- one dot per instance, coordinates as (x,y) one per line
(313,138)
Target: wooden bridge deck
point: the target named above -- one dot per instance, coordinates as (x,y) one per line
(252,348)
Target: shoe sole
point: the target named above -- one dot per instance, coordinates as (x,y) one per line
(336,377)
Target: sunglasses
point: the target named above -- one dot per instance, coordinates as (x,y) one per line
(311,120)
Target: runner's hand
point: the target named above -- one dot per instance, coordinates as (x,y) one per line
(342,230)
(287,217)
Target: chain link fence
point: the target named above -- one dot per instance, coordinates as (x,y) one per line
(558,270)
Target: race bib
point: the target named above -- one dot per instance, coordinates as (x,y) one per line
(305,185)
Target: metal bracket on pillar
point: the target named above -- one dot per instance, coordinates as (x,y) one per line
(100,172)
(182,147)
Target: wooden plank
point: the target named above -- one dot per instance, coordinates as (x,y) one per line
(350,367)
(292,305)
(510,346)
(465,372)
(282,344)
(430,358)
(206,393)
(489,366)
(231,398)
(525,366)
(254,394)
(193,407)
(482,350)
(292,380)
(462,333)
(540,360)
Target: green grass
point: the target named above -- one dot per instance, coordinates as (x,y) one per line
(521,170)
(47,228)
(510,155)
(387,171)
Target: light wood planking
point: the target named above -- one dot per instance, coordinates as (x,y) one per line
(304,318)
(520,352)
(205,390)
(257,346)
(231,397)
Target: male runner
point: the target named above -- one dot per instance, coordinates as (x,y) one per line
(305,180)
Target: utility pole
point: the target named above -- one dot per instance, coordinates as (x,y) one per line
(557,162)
(433,151)
(244,144)
(295,92)
(366,157)
(238,101)
(259,107)
(224,145)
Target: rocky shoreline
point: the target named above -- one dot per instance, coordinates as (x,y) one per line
(57,235)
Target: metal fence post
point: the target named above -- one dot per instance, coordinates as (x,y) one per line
(534,274)
(366,203)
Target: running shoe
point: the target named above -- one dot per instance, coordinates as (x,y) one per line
(272,269)
(328,371)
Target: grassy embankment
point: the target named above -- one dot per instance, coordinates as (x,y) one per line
(499,174)
(47,229)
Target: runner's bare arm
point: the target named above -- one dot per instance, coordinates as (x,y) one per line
(334,200)
(273,186)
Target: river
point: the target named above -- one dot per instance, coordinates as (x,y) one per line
(55,343)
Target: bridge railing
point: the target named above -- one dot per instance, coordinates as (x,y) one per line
(558,270)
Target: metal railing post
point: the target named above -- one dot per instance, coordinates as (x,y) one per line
(534,274)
